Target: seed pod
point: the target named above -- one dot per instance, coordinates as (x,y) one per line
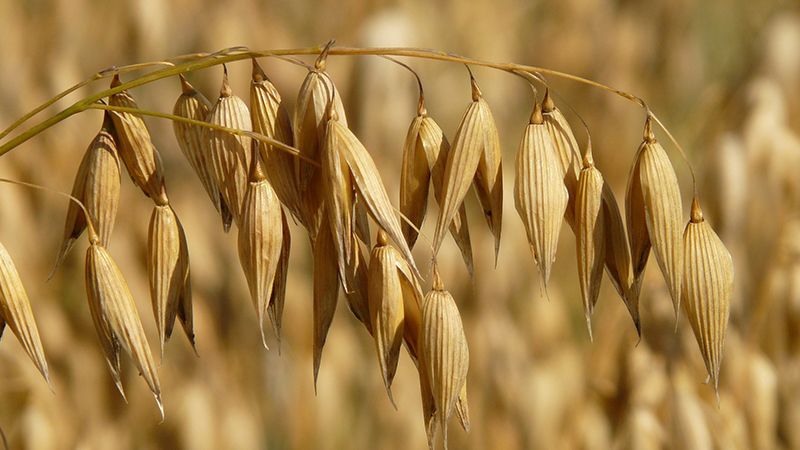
(185,314)
(444,349)
(97,186)
(136,149)
(389,287)
(167,268)
(16,312)
(618,255)
(489,176)
(192,139)
(369,187)
(260,239)
(326,292)
(653,210)
(539,191)
(475,135)
(230,154)
(116,319)
(424,159)
(278,299)
(338,195)
(566,148)
(270,118)
(590,235)
(707,288)
(310,117)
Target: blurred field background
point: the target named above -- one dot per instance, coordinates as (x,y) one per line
(723,75)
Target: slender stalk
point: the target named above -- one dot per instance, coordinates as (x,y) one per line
(192,62)
(251,134)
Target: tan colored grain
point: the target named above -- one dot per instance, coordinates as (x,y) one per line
(566,147)
(590,235)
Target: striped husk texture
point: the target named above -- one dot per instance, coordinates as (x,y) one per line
(136,149)
(707,289)
(444,350)
(566,148)
(97,186)
(326,292)
(167,270)
(653,210)
(260,240)
(270,118)
(192,140)
(16,313)
(590,236)
(230,154)
(539,192)
(116,318)
(278,299)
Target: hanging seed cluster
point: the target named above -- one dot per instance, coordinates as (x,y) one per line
(310,167)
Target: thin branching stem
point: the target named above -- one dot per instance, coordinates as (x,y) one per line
(192,62)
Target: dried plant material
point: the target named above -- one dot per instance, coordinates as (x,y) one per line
(444,350)
(192,139)
(271,119)
(707,289)
(653,210)
(618,256)
(462,408)
(116,319)
(566,148)
(136,149)
(230,154)
(185,314)
(387,299)
(310,117)
(475,136)
(429,415)
(424,158)
(275,308)
(338,195)
(16,312)
(260,240)
(590,235)
(489,176)
(167,269)
(326,292)
(539,192)
(361,218)
(357,279)
(369,186)
(97,186)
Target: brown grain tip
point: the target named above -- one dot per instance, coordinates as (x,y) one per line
(258,72)
(476,91)
(588,159)
(536,116)
(438,284)
(186,88)
(382,238)
(697,212)
(547,102)
(322,60)
(648,135)
(225,90)
(115,81)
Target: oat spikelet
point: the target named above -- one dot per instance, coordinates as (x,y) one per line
(97,186)
(116,319)
(230,154)
(185,314)
(270,118)
(260,239)
(476,134)
(489,176)
(539,192)
(167,268)
(707,289)
(444,349)
(275,308)
(618,255)
(387,300)
(566,147)
(326,292)
(369,186)
(654,214)
(192,140)
(590,235)
(16,312)
(357,279)
(136,149)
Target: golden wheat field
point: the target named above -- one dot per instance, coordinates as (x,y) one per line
(287,253)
